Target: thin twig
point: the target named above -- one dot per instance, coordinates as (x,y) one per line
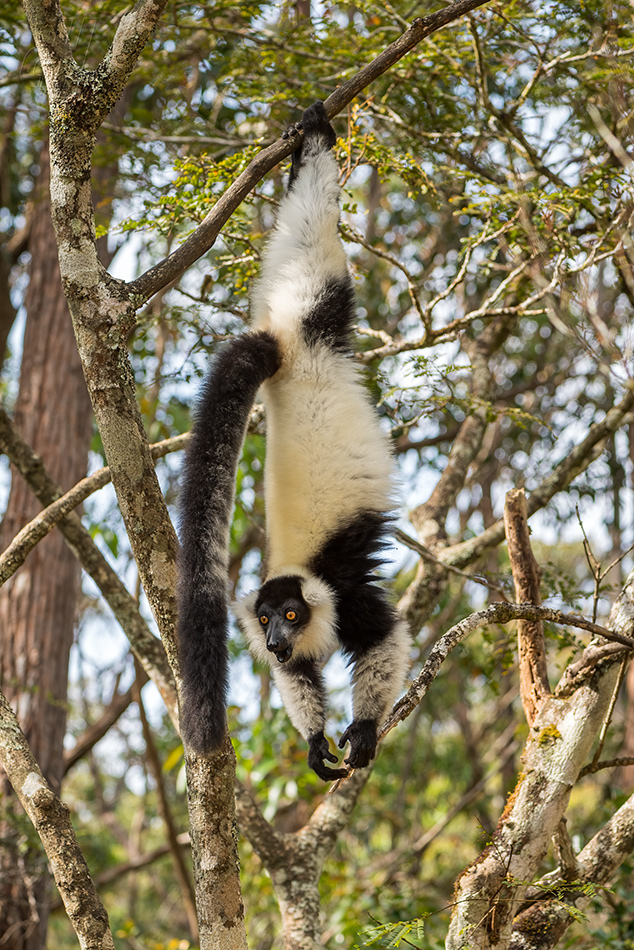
(200,241)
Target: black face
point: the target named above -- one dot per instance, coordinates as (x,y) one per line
(283,613)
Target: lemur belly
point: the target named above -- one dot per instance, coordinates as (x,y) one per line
(324,447)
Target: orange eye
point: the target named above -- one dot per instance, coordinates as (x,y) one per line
(290,615)
(264,619)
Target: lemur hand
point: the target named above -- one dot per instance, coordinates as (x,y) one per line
(318,750)
(361,734)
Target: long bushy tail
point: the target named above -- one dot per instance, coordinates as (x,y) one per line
(206,504)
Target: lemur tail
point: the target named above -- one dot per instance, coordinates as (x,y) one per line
(206,504)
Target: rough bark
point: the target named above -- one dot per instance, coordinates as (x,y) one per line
(125,608)
(33,532)
(490,892)
(180,868)
(542,925)
(531,648)
(103,314)
(626,778)
(295,861)
(211,803)
(37,608)
(51,819)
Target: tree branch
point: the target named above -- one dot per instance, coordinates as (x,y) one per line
(576,461)
(180,868)
(212,820)
(133,32)
(490,892)
(134,864)
(202,239)
(51,819)
(32,533)
(91,736)
(531,647)
(147,647)
(496,613)
(542,925)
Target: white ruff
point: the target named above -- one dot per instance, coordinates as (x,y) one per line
(317,641)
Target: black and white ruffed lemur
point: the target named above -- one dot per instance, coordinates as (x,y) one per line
(328,489)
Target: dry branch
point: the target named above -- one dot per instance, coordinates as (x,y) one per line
(534,684)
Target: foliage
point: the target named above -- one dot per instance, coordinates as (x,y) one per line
(482,184)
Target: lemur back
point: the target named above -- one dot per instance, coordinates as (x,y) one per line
(328,478)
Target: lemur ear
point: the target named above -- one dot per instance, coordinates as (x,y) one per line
(244,608)
(315,592)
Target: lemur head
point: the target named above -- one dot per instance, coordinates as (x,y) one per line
(290,613)
(283,614)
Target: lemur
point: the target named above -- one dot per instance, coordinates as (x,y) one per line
(328,487)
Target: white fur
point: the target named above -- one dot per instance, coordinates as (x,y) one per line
(379,674)
(302,702)
(327,456)
(303,251)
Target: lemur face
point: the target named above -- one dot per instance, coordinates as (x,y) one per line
(282,614)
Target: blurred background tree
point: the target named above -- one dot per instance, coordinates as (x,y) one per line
(488,218)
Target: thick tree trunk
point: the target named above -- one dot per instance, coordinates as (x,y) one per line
(37,606)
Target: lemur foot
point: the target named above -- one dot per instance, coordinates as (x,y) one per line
(315,121)
(318,750)
(292,130)
(361,734)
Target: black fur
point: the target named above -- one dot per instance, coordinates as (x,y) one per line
(277,591)
(362,736)
(346,562)
(330,320)
(206,504)
(275,599)
(318,750)
(318,133)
